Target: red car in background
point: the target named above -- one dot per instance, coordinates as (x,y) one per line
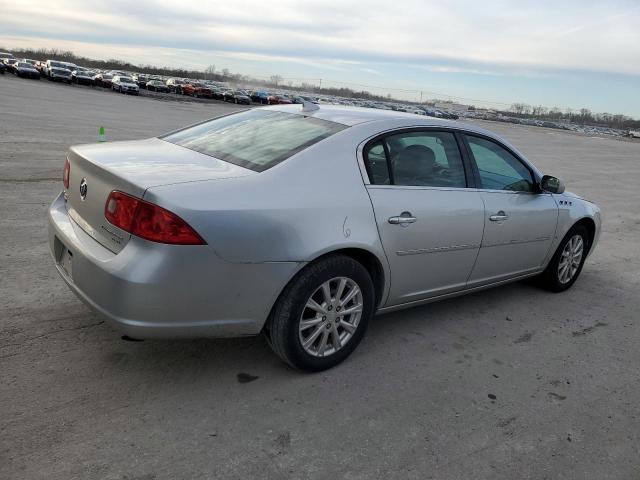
(278,100)
(196,90)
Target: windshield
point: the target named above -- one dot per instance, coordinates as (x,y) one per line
(255,139)
(24,65)
(126,80)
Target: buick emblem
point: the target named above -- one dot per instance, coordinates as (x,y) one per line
(83,189)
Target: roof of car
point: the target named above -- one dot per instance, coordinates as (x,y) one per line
(350,116)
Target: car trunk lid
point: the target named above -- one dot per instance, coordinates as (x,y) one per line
(131,167)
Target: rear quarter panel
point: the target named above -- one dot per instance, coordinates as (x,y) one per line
(310,204)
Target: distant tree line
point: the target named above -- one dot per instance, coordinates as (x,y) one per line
(583,116)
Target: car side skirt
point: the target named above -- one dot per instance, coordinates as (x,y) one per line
(458,293)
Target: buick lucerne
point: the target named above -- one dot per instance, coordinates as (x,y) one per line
(302,222)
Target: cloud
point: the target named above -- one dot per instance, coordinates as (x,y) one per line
(531,50)
(535,35)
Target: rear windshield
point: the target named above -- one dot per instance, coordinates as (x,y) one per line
(255,139)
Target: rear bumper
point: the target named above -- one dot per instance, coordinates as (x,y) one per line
(151,290)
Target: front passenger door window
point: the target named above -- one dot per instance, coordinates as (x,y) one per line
(499,169)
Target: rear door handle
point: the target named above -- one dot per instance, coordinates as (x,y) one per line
(403,219)
(499,217)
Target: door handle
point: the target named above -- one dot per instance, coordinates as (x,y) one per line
(499,217)
(403,219)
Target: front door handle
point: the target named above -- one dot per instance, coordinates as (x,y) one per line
(499,217)
(403,219)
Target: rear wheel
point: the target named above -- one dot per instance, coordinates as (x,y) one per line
(322,314)
(565,266)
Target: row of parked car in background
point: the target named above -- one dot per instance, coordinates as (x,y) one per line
(132,82)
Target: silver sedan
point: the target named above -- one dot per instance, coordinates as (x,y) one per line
(303,222)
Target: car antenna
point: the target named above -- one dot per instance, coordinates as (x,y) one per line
(309,106)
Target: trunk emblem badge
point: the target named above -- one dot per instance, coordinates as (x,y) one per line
(83,189)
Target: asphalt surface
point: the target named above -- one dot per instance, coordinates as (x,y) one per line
(510,383)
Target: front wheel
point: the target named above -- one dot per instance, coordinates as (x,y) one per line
(565,266)
(322,314)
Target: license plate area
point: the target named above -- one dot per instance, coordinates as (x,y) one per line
(64,257)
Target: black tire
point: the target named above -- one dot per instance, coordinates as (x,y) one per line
(284,321)
(550,278)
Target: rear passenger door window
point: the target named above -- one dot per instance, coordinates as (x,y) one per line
(416,158)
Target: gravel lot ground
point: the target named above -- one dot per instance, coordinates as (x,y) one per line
(413,402)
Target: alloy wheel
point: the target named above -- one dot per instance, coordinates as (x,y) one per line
(570,259)
(330,317)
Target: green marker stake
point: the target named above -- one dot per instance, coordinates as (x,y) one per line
(101,137)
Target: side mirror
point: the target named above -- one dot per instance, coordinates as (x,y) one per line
(552,184)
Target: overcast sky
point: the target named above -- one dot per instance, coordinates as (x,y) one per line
(555,53)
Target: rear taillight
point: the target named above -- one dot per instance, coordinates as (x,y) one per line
(66,173)
(148,221)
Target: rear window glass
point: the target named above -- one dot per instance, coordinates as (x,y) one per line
(255,139)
